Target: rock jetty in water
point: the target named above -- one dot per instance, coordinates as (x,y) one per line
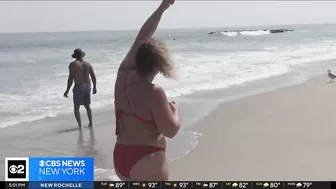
(280,31)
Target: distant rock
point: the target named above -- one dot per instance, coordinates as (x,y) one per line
(270,31)
(280,30)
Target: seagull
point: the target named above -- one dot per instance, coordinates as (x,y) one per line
(331,76)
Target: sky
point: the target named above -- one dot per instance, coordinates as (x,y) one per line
(42,16)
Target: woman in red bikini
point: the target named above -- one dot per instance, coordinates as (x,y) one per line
(144,116)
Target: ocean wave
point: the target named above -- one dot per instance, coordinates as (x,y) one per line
(230,34)
(29,98)
(105,174)
(250,32)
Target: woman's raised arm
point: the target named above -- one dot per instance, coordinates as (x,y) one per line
(147,30)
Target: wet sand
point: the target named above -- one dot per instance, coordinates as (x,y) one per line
(286,134)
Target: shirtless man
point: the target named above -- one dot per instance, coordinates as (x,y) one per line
(80,72)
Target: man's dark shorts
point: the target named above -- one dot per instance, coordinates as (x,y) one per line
(82,94)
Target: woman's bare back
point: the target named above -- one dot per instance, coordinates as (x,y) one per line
(133,96)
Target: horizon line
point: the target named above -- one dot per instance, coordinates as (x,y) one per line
(209,27)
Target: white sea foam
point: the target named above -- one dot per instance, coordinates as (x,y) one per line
(252,33)
(184,142)
(258,32)
(230,34)
(39,94)
(105,174)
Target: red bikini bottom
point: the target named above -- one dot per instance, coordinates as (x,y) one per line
(126,156)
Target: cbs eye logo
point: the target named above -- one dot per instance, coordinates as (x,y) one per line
(16,169)
(13,169)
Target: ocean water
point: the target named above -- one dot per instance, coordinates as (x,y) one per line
(34,67)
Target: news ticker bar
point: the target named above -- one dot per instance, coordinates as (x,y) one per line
(168,185)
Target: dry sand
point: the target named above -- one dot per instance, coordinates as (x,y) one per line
(287,134)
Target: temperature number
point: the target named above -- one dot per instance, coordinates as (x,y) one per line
(183,184)
(243,185)
(307,184)
(274,184)
(152,184)
(213,184)
(119,184)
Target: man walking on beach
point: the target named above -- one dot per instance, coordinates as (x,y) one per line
(80,72)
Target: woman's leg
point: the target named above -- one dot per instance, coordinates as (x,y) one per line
(122,177)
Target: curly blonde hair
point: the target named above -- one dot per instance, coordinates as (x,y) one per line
(152,56)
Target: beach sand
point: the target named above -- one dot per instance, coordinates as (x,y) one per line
(286,134)
(59,136)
